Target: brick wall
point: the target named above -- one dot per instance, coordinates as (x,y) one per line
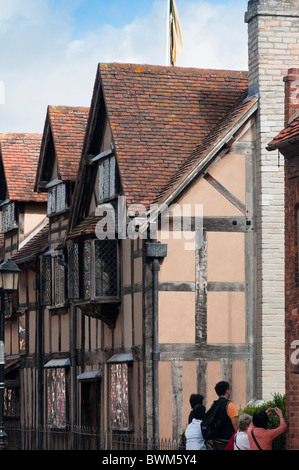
(292,269)
(273,43)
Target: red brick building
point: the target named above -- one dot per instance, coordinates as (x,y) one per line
(287,143)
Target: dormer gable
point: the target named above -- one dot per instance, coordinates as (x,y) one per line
(20,206)
(61,148)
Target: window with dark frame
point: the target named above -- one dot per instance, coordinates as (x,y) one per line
(12,392)
(46,280)
(106,268)
(97,260)
(12,402)
(57,198)
(56,396)
(8,217)
(53,283)
(119,399)
(107,178)
(59,281)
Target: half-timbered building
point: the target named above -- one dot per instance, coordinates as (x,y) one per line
(23,214)
(202,302)
(164,269)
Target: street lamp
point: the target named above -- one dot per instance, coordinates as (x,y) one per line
(9,277)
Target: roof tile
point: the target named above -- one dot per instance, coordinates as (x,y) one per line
(288,135)
(68,125)
(20,154)
(158,117)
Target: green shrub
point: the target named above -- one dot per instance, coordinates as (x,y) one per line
(279,402)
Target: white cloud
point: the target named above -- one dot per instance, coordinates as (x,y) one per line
(43,63)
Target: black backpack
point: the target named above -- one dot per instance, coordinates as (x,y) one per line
(214,422)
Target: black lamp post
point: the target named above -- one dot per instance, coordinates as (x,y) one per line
(9,277)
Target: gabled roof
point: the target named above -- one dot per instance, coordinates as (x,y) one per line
(158,117)
(33,245)
(209,148)
(66,126)
(19,154)
(289,135)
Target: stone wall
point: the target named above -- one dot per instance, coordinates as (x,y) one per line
(273,35)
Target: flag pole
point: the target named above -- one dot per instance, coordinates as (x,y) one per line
(168,34)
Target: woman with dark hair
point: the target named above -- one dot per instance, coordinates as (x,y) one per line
(261,438)
(193,434)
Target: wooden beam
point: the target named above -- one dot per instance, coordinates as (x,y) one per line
(225,193)
(213,224)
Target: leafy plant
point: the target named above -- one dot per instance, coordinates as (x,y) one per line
(279,402)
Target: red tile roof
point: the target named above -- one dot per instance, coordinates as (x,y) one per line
(19,153)
(33,247)
(68,126)
(287,136)
(208,144)
(160,115)
(86,228)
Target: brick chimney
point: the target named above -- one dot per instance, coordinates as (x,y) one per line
(291,95)
(273,47)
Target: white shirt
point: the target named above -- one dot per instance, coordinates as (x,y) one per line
(194,439)
(241,440)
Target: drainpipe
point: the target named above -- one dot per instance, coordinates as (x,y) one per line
(155,252)
(74,368)
(37,288)
(40,363)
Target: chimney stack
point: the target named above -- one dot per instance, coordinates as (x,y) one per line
(273,48)
(291,95)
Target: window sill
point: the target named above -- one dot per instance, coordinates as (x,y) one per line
(15,227)
(58,309)
(63,211)
(105,309)
(97,300)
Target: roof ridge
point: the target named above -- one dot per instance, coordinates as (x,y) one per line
(125,66)
(5,135)
(68,108)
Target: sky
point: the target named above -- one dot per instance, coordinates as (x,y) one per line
(49,49)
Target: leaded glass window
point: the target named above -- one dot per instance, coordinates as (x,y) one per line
(8,217)
(86,274)
(11,402)
(79,254)
(93,261)
(57,200)
(73,271)
(107,178)
(106,268)
(60,197)
(59,279)
(56,397)
(119,411)
(46,280)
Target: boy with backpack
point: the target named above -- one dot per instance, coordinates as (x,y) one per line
(221,421)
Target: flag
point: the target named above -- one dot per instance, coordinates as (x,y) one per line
(176,39)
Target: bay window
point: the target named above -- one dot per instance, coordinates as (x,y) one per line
(93,269)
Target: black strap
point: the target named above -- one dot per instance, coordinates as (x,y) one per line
(235,442)
(256,440)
